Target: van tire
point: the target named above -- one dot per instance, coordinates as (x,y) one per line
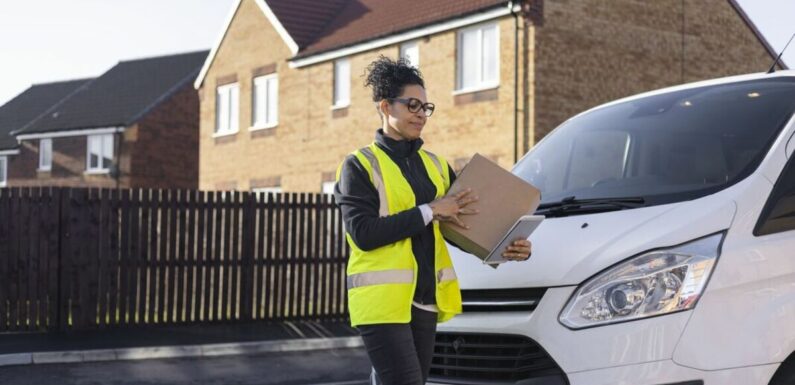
(785,375)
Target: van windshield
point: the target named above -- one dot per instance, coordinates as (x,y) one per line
(664,148)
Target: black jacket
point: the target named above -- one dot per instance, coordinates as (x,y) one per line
(359,202)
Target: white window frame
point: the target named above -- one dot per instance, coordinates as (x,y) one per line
(3,171)
(227,96)
(272,189)
(411,50)
(263,191)
(265,110)
(327,187)
(45,154)
(103,141)
(342,83)
(481,83)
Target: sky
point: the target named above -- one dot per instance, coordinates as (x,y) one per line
(51,40)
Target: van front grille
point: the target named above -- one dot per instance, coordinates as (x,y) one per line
(496,300)
(467,358)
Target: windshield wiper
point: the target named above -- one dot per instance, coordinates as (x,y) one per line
(572,205)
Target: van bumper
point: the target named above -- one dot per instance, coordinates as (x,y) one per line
(632,353)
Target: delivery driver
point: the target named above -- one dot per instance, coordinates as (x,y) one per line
(400,277)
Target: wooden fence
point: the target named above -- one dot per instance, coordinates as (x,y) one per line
(77,259)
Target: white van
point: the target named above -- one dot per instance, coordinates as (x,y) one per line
(667,255)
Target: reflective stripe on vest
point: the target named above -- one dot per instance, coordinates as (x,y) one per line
(446,274)
(380,277)
(378,181)
(438,165)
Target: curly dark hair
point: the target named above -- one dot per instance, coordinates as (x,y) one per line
(388,77)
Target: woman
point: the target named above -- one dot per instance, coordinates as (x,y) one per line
(400,278)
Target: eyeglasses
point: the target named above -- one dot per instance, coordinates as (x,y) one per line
(415,104)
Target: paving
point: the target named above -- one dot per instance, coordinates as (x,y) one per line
(175,341)
(317,367)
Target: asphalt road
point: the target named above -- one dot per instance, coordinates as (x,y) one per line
(326,367)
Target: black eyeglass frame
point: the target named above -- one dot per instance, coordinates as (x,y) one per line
(424,106)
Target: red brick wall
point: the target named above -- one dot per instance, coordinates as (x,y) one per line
(165,153)
(68,166)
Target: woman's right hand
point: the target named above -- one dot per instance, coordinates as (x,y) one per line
(448,208)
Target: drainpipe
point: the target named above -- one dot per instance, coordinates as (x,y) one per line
(515,82)
(528,110)
(116,170)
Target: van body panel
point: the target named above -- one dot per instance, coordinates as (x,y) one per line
(746,314)
(567,253)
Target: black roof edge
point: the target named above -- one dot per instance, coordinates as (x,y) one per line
(163,56)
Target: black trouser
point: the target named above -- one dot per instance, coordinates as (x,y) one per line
(401,353)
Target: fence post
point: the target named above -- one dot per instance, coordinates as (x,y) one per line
(64,241)
(247,249)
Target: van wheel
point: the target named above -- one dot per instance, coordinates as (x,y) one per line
(785,375)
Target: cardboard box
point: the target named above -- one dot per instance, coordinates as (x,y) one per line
(502,199)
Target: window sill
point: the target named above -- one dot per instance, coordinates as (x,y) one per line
(266,127)
(223,134)
(96,172)
(476,89)
(43,169)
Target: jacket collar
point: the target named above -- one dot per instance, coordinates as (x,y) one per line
(397,148)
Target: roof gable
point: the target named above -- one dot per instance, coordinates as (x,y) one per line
(275,22)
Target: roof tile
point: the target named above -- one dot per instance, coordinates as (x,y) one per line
(319,26)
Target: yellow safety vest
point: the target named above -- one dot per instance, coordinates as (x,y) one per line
(381,282)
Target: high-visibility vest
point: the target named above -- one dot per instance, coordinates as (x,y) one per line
(381,282)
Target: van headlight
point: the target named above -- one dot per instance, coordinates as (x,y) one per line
(653,283)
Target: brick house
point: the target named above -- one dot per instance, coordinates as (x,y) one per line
(24,108)
(136,125)
(283,101)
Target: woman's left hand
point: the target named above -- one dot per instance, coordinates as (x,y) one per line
(519,250)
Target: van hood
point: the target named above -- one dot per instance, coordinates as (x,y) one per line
(569,250)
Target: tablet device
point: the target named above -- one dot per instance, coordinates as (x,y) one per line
(520,230)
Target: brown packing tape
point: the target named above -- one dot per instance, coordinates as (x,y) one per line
(503,199)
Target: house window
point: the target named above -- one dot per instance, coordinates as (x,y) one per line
(342,83)
(478,58)
(265,100)
(262,192)
(265,190)
(100,153)
(3,171)
(328,187)
(411,52)
(227,103)
(45,154)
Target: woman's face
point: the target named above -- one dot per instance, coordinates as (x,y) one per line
(402,122)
